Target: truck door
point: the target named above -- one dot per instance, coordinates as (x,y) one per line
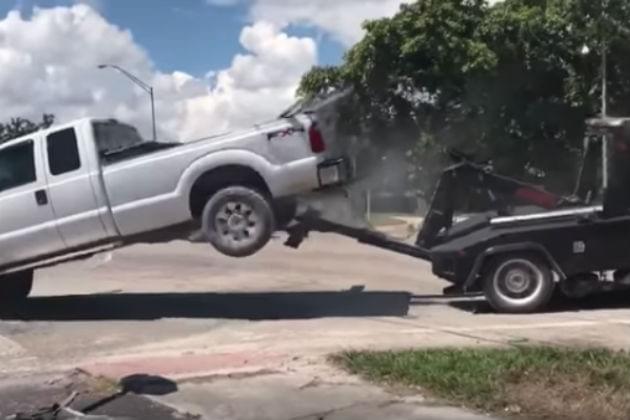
(71,190)
(27,222)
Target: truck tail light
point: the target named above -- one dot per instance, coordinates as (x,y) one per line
(316,139)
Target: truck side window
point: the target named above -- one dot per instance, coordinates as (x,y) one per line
(63,152)
(17,166)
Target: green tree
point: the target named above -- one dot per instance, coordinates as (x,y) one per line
(509,82)
(18,127)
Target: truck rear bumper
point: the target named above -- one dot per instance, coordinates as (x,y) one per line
(334,172)
(336,203)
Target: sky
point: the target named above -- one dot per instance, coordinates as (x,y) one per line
(215,65)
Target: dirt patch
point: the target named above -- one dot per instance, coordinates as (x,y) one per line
(567,398)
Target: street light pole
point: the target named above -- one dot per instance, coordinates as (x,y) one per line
(153,114)
(604,47)
(144,86)
(604,81)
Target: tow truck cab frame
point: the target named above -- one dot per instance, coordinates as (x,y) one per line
(581,242)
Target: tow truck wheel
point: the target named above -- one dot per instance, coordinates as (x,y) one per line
(238,221)
(518,284)
(15,287)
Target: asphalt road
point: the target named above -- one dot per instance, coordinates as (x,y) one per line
(247,338)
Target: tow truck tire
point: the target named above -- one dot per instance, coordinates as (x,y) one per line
(238,221)
(518,283)
(15,287)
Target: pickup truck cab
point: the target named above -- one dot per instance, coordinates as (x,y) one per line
(92,185)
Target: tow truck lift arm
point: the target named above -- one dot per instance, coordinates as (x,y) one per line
(468,186)
(311,221)
(464,186)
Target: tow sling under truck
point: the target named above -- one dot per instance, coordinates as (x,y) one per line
(579,244)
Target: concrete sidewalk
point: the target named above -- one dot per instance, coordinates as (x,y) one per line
(272,386)
(292,396)
(302,390)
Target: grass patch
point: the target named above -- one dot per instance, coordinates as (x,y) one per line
(538,382)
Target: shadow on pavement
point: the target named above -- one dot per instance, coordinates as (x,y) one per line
(247,306)
(559,303)
(139,384)
(143,384)
(467,303)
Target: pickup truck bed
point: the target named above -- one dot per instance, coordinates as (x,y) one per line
(135,151)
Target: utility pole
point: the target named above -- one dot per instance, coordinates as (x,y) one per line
(603,21)
(604,81)
(144,86)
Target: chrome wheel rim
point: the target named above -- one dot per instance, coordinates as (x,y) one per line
(237,224)
(518,281)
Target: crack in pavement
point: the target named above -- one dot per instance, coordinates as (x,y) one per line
(204,379)
(323,414)
(461,332)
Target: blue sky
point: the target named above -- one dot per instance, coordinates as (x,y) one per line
(187,35)
(256,52)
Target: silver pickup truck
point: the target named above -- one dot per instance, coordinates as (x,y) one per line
(93,185)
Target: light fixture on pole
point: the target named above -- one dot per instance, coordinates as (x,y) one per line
(604,75)
(144,86)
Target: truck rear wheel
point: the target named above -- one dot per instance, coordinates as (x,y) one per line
(15,287)
(238,221)
(518,284)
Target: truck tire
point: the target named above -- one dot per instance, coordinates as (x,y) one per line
(15,287)
(238,221)
(518,284)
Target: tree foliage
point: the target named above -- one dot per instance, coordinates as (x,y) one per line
(511,82)
(18,127)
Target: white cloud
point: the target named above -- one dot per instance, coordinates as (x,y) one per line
(340,18)
(95,4)
(257,85)
(48,63)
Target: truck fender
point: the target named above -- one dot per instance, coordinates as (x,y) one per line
(506,249)
(218,159)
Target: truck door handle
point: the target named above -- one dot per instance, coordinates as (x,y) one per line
(41,197)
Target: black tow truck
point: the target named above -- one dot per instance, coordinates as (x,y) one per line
(579,244)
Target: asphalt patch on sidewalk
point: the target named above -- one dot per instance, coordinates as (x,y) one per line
(31,398)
